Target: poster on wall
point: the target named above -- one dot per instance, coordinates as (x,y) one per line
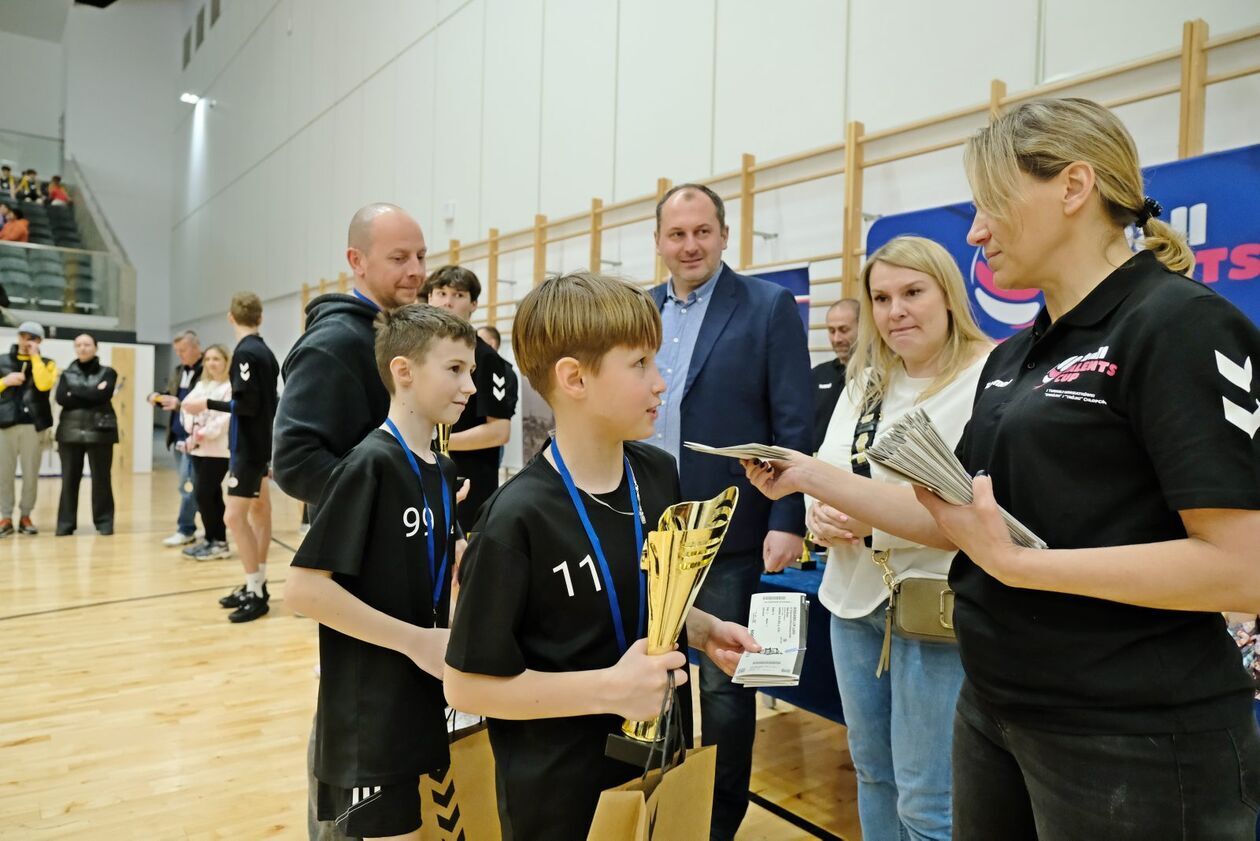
(796,281)
(1214,200)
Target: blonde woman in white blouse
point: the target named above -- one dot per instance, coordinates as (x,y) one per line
(918,347)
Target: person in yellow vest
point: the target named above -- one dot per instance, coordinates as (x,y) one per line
(26,379)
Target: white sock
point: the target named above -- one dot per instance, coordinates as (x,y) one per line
(262,570)
(254,582)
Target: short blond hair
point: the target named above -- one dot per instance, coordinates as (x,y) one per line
(246,309)
(1041,138)
(874,362)
(581,315)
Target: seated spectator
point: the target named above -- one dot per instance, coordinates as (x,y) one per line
(8,183)
(16,229)
(30,189)
(208,433)
(4,214)
(57,193)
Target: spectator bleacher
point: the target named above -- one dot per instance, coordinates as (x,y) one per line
(48,278)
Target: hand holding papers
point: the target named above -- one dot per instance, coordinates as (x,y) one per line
(758,452)
(779,623)
(913,449)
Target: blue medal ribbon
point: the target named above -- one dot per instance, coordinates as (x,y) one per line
(610,586)
(437,574)
(365,299)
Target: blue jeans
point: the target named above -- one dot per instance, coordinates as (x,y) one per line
(186,524)
(900,728)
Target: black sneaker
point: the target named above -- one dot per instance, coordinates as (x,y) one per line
(233,599)
(251,608)
(25,526)
(6,527)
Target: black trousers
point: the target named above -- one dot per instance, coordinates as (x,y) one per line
(728,711)
(101,459)
(1013,782)
(208,491)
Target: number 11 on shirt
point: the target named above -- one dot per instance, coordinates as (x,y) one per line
(563,568)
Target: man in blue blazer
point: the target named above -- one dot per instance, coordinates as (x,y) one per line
(736,366)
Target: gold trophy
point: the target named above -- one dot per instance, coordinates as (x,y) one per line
(676,558)
(442,436)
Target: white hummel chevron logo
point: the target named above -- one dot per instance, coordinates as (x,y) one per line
(499,393)
(1240,376)
(245,371)
(498,380)
(997,384)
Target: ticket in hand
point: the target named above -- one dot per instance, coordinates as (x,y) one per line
(760,452)
(780,623)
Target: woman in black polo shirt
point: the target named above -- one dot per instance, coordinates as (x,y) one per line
(1103,696)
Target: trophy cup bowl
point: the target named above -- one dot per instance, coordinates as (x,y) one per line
(676,557)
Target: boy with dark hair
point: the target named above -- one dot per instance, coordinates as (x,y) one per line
(375,572)
(551,593)
(486,425)
(253,408)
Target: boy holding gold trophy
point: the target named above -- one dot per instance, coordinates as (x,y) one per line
(559,636)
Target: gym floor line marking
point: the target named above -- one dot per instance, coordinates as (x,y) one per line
(149,597)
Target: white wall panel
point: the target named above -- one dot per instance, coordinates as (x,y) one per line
(664,94)
(457,148)
(910,59)
(509,137)
(780,78)
(578,104)
(413,147)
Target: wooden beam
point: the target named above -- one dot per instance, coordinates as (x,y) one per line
(659,272)
(123,361)
(997,92)
(597,235)
(492,277)
(452,253)
(1194,37)
(306,299)
(852,237)
(540,248)
(747,184)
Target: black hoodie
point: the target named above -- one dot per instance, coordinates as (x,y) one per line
(333,396)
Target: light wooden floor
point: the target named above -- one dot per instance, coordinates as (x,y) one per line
(130,707)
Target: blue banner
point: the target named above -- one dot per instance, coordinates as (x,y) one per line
(796,280)
(1214,200)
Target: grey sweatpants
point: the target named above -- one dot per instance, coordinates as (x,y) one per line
(19,441)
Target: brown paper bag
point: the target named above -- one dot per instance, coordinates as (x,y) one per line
(462,804)
(670,806)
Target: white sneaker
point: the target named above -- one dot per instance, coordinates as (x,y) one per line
(179,539)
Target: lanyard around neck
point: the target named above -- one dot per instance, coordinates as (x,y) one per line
(610,586)
(437,574)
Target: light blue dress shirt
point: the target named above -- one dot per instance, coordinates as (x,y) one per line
(680,327)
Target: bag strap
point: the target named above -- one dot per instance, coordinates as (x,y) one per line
(671,728)
(863,437)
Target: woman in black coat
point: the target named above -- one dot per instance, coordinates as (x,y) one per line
(88,427)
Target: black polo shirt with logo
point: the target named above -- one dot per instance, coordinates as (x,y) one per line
(531,597)
(495,398)
(1097,429)
(828,383)
(380,718)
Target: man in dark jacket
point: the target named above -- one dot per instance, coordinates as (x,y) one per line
(26,378)
(183,378)
(333,395)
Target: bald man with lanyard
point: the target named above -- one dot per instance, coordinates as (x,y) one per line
(333,396)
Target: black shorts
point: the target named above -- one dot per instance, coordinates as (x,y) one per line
(371,811)
(245,478)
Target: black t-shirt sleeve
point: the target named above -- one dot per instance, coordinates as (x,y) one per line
(339,533)
(496,396)
(493,588)
(1194,401)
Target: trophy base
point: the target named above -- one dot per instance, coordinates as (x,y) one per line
(635,752)
(803,564)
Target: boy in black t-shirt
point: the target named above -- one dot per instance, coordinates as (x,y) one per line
(375,572)
(247,512)
(551,599)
